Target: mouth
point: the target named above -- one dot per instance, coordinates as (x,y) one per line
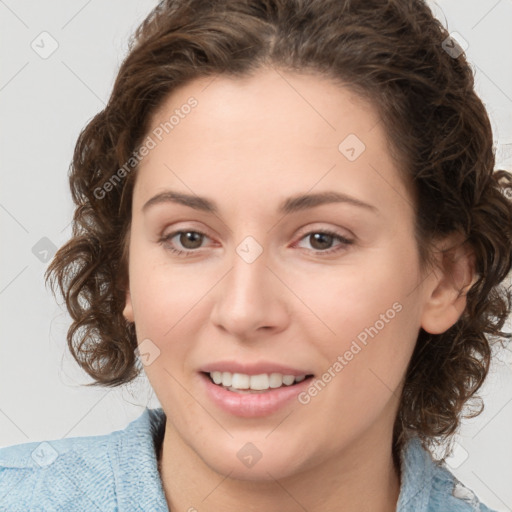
(243,383)
(255,389)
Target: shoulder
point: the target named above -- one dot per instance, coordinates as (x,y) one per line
(65,472)
(429,486)
(448,491)
(77,473)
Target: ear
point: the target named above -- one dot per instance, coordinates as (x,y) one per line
(446,297)
(128,308)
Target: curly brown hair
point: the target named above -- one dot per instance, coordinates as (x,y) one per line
(395,54)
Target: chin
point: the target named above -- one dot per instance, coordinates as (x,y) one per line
(260,472)
(245,461)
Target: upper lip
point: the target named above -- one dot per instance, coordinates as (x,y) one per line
(253,368)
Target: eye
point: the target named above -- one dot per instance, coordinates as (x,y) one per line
(188,239)
(322,241)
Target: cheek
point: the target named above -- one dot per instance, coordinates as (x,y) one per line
(355,299)
(167,306)
(373,318)
(163,292)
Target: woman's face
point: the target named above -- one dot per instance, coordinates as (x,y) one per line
(300,260)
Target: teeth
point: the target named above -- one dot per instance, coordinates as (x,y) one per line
(216,377)
(276,380)
(288,380)
(262,382)
(227,379)
(240,381)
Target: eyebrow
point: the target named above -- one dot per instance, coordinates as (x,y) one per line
(290,205)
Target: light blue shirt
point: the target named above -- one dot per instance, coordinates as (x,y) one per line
(118,472)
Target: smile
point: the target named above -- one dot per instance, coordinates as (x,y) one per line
(244,383)
(234,392)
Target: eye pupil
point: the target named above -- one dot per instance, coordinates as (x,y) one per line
(191,236)
(321,237)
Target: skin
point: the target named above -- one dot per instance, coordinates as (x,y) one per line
(249,144)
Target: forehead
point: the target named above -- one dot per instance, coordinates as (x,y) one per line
(273,133)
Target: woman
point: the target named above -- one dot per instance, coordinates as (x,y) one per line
(288,213)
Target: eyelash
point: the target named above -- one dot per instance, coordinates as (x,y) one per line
(344,241)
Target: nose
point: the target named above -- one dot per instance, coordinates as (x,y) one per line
(251,299)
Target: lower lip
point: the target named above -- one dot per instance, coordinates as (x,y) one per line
(252,405)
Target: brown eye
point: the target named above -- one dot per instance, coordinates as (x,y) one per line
(190,239)
(321,241)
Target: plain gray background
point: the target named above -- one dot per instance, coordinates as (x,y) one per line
(45,100)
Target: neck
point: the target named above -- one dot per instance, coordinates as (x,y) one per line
(363,477)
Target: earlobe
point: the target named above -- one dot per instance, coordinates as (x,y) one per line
(128,308)
(446,300)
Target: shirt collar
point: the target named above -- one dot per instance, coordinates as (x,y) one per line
(138,482)
(416,474)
